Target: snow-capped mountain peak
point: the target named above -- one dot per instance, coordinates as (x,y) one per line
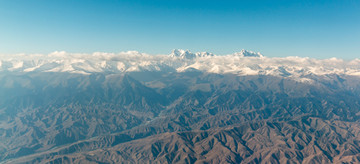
(183,54)
(245,53)
(186,54)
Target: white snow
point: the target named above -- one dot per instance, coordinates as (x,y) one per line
(240,63)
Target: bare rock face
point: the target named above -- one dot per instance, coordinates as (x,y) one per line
(178,117)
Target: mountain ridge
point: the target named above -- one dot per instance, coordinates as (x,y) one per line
(66,116)
(241,63)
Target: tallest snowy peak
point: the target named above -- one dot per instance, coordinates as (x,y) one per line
(245,53)
(184,54)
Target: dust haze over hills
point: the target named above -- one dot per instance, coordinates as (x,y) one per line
(179,108)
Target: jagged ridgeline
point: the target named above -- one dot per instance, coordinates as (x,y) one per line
(179,108)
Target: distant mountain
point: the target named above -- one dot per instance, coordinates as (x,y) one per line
(186,54)
(179,108)
(245,53)
(241,63)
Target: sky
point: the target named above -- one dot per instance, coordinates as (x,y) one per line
(276,28)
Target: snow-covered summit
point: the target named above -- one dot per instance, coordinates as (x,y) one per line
(186,54)
(241,63)
(245,53)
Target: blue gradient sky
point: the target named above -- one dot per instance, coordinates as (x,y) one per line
(314,28)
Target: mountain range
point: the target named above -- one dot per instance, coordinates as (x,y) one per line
(183,107)
(240,63)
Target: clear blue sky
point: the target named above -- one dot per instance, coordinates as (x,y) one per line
(314,28)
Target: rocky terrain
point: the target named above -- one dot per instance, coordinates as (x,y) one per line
(178,112)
